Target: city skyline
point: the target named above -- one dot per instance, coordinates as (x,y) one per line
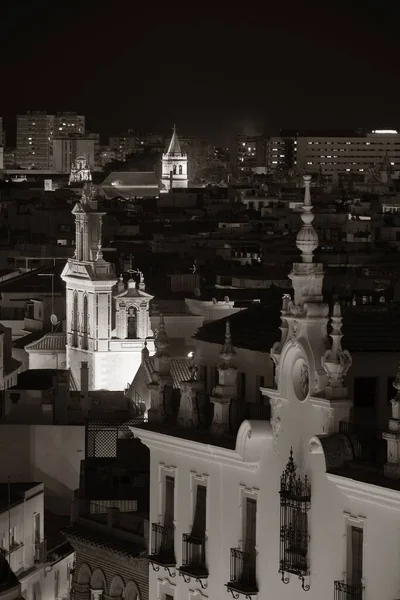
(217,74)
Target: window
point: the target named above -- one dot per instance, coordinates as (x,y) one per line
(250,535)
(199,521)
(13,537)
(75,320)
(174,170)
(365,392)
(169,503)
(85,344)
(180,169)
(36,528)
(355,573)
(242,385)
(132,323)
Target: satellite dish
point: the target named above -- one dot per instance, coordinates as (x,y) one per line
(54,319)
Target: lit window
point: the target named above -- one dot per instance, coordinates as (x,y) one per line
(29,138)
(274,162)
(368,143)
(348,142)
(309,143)
(361,169)
(309,163)
(347,169)
(243,143)
(60,129)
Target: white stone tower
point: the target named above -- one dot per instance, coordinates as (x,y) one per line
(174,166)
(94,303)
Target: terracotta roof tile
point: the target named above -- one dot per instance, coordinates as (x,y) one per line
(51,341)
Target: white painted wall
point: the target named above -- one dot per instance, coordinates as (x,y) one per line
(47,360)
(48,453)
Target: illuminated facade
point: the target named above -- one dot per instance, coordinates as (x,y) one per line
(80,171)
(301,503)
(330,153)
(107,324)
(174,166)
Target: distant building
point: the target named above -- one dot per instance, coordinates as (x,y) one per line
(2,134)
(174,166)
(131,184)
(355,152)
(35,133)
(131,142)
(249,153)
(69,122)
(67,149)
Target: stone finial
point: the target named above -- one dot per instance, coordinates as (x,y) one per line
(121,284)
(307,238)
(336,361)
(145,352)
(227,351)
(395,402)
(161,340)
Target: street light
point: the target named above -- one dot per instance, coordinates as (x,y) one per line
(52,296)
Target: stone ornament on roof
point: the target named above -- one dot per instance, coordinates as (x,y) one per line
(227,351)
(336,361)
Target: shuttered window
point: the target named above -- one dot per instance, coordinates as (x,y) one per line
(169,508)
(199,521)
(250,525)
(356,556)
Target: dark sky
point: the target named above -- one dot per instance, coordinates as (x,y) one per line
(213,68)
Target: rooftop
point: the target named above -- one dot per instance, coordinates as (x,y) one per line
(33,282)
(14,493)
(37,379)
(50,342)
(82,532)
(179,369)
(21,342)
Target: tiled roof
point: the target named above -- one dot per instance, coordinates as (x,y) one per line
(82,533)
(179,369)
(131,179)
(51,341)
(21,342)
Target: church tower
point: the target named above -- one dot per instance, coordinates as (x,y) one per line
(93,305)
(174,165)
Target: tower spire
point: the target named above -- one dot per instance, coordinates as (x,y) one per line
(307,276)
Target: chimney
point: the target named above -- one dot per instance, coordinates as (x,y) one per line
(392,466)
(85,386)
(226,390)
(188,416)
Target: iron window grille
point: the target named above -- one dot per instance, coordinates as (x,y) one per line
(243,574)
(295,502)
(162,550)
(193,557)
(344,591)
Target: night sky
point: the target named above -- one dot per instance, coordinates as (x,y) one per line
(212,68)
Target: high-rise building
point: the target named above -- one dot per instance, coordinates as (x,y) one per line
(249,153)
(174,165)
(69,122)
(35,133)
(68,148)
(328,152)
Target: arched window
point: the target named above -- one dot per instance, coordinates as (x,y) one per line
(132,323)
(174,169)
(74,327)
(180,169)
(85,339)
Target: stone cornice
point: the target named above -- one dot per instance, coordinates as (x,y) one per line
(244,456)
(366,492)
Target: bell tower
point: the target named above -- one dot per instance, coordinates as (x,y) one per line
(89,283)
(174,166)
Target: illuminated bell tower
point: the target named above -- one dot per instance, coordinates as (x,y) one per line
(89,283)
(174,165)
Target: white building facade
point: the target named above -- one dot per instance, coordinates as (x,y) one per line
(107,324)
(283,508)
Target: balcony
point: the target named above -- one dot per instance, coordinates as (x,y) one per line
(162,549)
(243,573)
(193,558)
(344,591)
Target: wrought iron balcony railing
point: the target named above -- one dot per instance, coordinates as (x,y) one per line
(194,556)
(344,591)
(162,549)
(243,573)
